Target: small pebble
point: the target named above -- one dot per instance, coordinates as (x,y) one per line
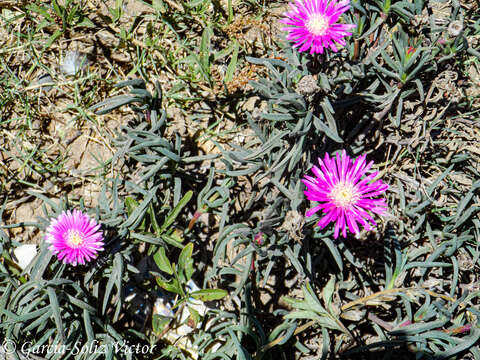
(455,28)
(73,63)
(24,254)
(44,79)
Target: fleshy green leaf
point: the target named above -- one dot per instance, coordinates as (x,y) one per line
(162,261)
(209,294)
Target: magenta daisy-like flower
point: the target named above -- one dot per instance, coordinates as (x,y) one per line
(74,238)
(345,197)
(312,24)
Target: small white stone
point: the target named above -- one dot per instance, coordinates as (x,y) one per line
(73,63)
(24,254)
(163,308)
(455,28)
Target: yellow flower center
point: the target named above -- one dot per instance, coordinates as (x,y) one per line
(317,24)
(74,238)
(344,195)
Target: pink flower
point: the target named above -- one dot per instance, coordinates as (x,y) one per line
(345,198)
(74,237)
(311,24)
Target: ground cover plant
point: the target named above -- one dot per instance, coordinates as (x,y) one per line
(239,179)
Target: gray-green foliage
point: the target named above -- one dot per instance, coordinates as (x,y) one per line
(49,304)
(388,63)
